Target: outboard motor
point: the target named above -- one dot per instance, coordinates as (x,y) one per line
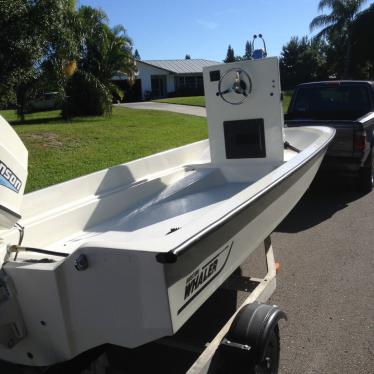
(258,53)
(13,175)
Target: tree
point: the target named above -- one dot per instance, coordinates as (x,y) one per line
(248,51)
(60,60)
(136,55)
(187,57)
(301,61)
(230,56)
(26,30)
(337,26)
(104,51)
(362,50)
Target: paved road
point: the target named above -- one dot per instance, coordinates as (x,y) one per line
(185,109)
(326,284)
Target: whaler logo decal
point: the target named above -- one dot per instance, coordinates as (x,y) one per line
(204,274)
(9,179)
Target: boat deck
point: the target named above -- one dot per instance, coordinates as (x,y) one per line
(198,194)
(158,218)
(172,209)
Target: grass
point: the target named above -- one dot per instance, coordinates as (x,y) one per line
(286,100)
(60,150)
(190,100)
(200,100)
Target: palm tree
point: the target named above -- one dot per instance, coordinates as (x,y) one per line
(362,50)
(104,51)
(338,24)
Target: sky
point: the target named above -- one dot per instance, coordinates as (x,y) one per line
(167,29)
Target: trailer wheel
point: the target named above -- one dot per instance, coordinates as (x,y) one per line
(270,364)
(252,344)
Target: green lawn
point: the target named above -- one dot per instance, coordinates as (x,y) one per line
(286,100)
(60,150)
(200,100)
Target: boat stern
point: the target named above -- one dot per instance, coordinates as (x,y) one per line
(93,297)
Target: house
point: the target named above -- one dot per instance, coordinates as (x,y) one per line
(162,78)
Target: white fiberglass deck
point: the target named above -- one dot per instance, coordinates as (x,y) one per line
(133,206)
(189,199)
(169,215)
(198,193)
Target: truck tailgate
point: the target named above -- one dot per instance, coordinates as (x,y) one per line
(342,144)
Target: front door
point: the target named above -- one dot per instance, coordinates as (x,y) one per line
(158,83)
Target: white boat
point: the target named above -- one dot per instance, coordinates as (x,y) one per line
(128,254)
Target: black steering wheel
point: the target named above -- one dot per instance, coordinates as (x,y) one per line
(234,86)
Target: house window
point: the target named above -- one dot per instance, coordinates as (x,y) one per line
(199,82)
(188,81)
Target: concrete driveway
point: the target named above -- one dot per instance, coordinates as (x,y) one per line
(185,109)
(326,284)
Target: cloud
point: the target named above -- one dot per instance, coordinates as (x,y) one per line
(210,25)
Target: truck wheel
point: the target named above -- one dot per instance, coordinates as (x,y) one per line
(366,177)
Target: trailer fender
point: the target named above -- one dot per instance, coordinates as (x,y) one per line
(250,332)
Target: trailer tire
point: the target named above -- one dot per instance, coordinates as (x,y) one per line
(252,344)
(270,364)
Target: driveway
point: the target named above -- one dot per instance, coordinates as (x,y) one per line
(326,283)
(184,109)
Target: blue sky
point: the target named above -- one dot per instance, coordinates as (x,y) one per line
(167,29)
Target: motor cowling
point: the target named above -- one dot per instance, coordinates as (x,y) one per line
(13,175)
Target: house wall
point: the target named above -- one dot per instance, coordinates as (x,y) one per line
(145,73)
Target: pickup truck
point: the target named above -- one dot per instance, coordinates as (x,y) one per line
(348,106)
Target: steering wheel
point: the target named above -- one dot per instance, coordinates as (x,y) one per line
(234,86)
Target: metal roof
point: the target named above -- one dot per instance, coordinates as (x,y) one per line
(185,66)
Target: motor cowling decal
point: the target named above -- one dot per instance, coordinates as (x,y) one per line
(9,179)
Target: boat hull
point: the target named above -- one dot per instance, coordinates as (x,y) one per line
(132,297)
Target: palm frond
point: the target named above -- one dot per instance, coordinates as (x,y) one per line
(366,11)
(326,4)
(321,20)
(325,32)
(118,29)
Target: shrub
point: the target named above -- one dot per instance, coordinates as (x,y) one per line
(86,96)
